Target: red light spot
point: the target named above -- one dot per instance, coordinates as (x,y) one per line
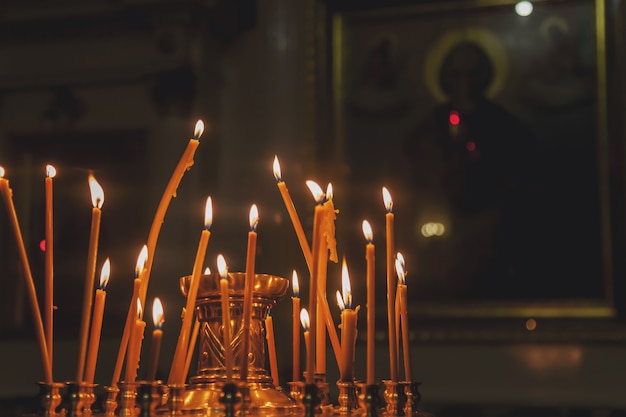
(471,146)
(42,245)
(454,118)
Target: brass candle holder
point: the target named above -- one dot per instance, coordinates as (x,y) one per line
(50,398)
(110,400)
(347,397)
(149,397)
(86,398)
(128,399)
(413,396)
(395,398)
(311,401)
(296,391)
(71,400)
(368,399)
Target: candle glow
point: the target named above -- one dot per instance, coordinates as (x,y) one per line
(158,316)
(96,325)
(49,261)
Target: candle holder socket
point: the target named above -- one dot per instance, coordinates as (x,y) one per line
(128,399)
(368,399)
(86,398)
(413,396)
(296,391)
(110,400)
(71,400)
(50,398)
(311,400)
(149,397)
(347,396)
(395,398)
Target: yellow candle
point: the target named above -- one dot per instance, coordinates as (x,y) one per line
(134,346)
(247,296)
(225,298)
(7,194)
(371,301)
(293,215)
(97,199)
(140,269)
(192,346)
(178,364)
(96,325)
(391,286)
(49,267)
(348,327)
(404,318)
(184,164)
(306,325)
(271,349)
(320,329)
(295,301)
(158,318)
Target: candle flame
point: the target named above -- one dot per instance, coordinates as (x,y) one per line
(208,214)
(254,217)
(207,271)
(97,194)
(1,172)
(400,258)
(104,274)
(277,175)
(316,190)
(142,259)
(222,267)
(387,200)
(345,285)
(329,191)
(400,271)
(51,171)
(340,302)
(367,231)
(199,129)
(158,317)
(304,319)
(295,283)
(139,309)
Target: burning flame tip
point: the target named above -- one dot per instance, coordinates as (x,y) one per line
(199,129)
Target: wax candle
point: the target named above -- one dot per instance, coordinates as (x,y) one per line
(184,164)
(320,329)
(404,318)
(97,199)
(134,346)
(271,349)
(178,364)
(348,327)
(391,286)
(96,323)
(192,347)
(293,215)
(49,263)
(399,263)
(295,302)
(158,318)
(7,194)
(318,195)
(306,325)
(371,301)
(140,269)
(225,298)
(248,287)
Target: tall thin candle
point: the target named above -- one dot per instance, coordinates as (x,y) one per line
(49,267)
(271,349)
(225,298)
(178,364)
(371,301)
(306,326)
(134,346)
(404,318)
(7,194)
(96,325)
(184,164)
(192,347)
(247,295)
(97,199)
(295,301)
(391,286)
(158,318)
(349,318)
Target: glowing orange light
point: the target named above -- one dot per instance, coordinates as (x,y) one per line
(199,129)
(387,200)
(276,167)
(531,324)
(316,190)
(207,271)
(304,319)
(51,172)
(139,309)
(105,273)
(158,317)
(345,285)
(254,217)
(222,267)
(141,261)
(454,118)
(295,284)
(208,213)
(367,231)
(1,172)
(97,194)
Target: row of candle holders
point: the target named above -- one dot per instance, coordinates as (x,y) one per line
(154,398)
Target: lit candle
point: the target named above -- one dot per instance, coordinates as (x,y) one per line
(348,326)
(134,346)
(180,354)
(399,261)
(247,296)
(271,349)
(49,267)
(192,347)
(96,323)
(295,301)
(97,199)
(391,286)
(293,215)
(184,164)
(371,301)
(306,325)
(327,233)
(404,316)
(225,298)
(140,269)
(158,318)
(318,195)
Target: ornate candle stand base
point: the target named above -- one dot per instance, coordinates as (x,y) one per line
(50,398)
(395,398)
(149,397)
(128,399)
(368,399)
(347,397)
(110,401)
(176,399)
(311,400)
(413,396)
(71,400)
